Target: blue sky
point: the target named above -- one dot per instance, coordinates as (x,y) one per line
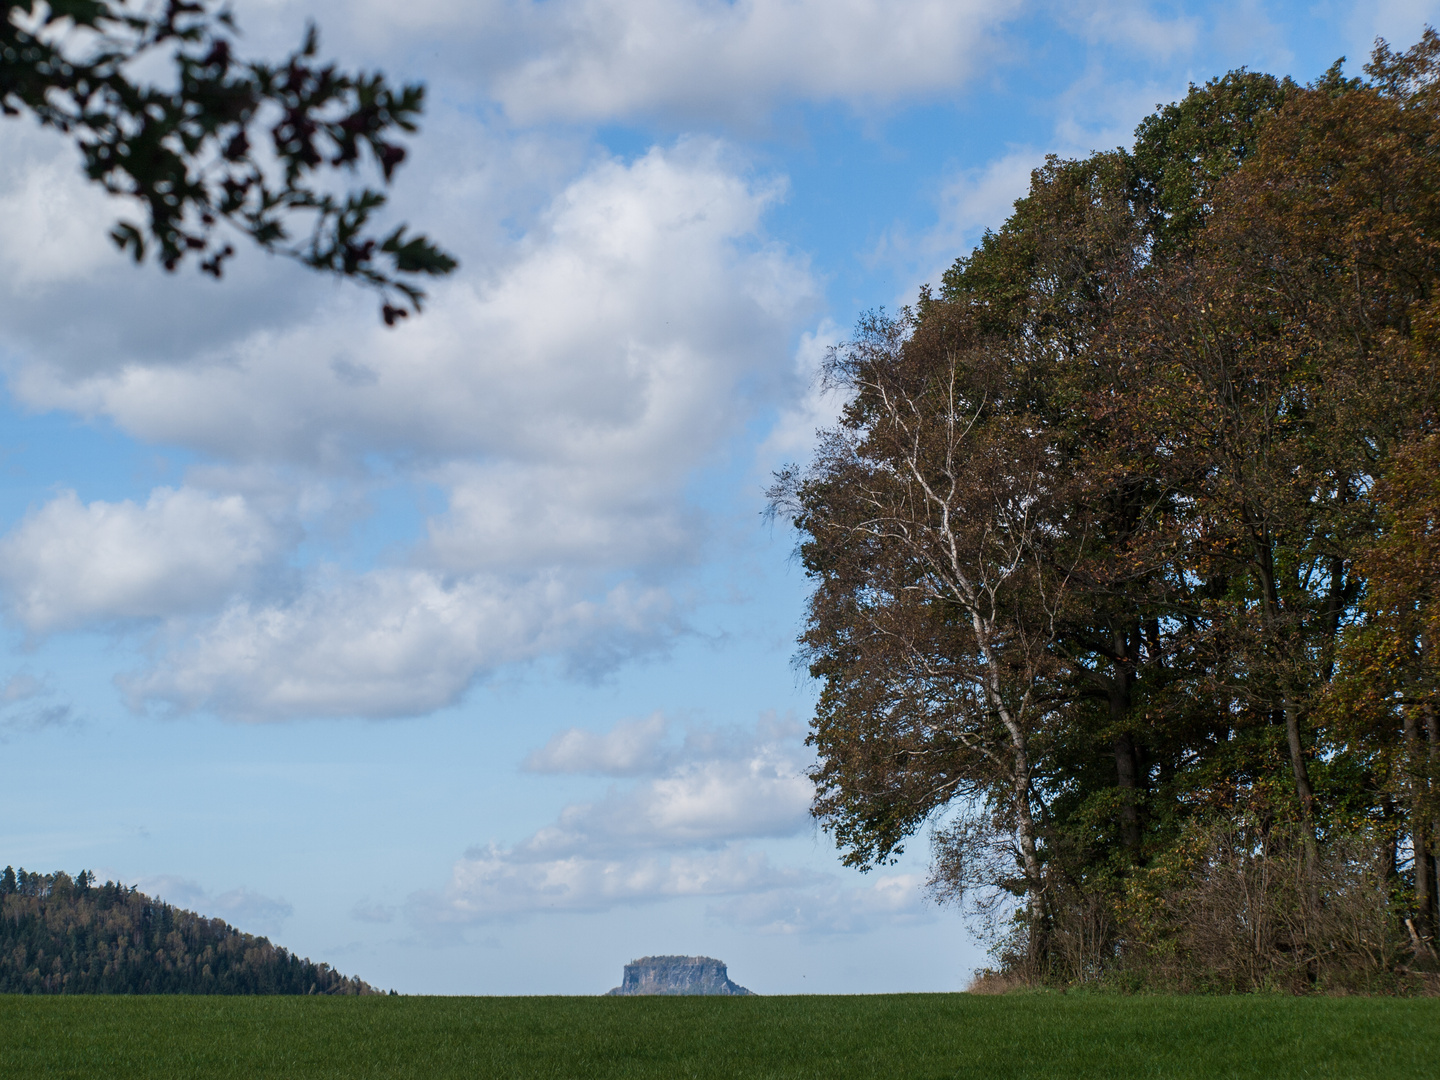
(460,655)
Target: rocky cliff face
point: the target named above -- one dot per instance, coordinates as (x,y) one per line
(677,975)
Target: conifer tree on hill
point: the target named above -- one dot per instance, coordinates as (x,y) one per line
(64,935)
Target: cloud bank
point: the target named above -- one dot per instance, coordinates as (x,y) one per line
(558,403)
(687,826)
(694,62)
(68,564)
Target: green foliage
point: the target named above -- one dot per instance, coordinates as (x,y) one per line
(63,935)
(1185,150)
(240,143)
(912,1035)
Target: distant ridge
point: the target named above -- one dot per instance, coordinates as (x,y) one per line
(64,935)
(677,975)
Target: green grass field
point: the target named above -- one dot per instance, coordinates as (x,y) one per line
(920,1035)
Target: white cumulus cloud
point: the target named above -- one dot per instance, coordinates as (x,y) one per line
(683,832)
(695,61)
(763,795)
(388,643)
(630,748)
(626,318)
(53,223)
(71,563)
(489,883)
(558,401)
(686,826)
(598,59)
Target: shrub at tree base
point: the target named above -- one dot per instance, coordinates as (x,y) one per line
(1236,908)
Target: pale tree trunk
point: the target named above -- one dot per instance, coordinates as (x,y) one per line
(974,576)
(1013,718)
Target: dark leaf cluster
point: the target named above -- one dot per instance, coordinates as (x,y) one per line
(230,143)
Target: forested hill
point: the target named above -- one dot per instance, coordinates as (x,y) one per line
(64,935)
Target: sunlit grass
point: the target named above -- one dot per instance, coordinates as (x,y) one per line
(912,1036)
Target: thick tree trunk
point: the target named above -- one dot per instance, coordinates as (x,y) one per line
(1274,617)
(1420,833)
(1389,851)
(1432,739)
(1127,773)
(1303,791)
(1127,770)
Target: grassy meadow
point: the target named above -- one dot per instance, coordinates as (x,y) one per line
(911,1036)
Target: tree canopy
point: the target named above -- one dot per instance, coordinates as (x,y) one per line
(229,144)
(1124,552)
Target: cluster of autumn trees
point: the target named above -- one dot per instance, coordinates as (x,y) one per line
(1126,551)
(64,935)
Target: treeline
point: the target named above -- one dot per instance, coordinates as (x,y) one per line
(64,935)
(1126,552)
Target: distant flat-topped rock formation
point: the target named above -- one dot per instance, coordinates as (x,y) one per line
(676,975)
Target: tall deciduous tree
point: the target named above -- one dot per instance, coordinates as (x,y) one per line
(1105,517)
(930,512)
